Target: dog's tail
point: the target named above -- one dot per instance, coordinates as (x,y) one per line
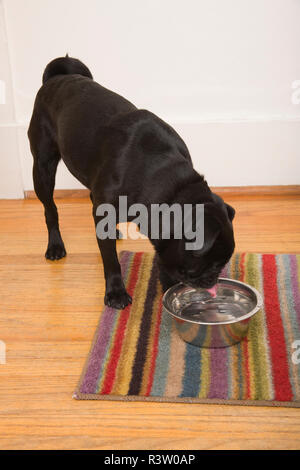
(65,66)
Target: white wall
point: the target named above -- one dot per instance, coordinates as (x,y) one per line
(221,72)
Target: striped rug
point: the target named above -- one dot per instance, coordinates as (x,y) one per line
(136,353)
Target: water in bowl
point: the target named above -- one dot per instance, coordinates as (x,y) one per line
(198,305)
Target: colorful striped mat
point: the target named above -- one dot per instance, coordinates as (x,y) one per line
(137,355)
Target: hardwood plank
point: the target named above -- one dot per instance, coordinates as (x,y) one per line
(48,315)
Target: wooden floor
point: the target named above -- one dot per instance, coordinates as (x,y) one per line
(48,315)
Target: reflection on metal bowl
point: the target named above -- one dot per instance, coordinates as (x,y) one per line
(210,322)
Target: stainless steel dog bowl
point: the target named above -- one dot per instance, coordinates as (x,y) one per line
(210,322)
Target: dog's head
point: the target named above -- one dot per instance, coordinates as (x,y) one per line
(201,268)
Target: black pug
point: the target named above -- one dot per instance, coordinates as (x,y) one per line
(115,149)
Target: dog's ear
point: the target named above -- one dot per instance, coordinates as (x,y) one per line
(212,229)
(230,212)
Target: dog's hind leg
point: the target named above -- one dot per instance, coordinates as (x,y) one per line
(46,157)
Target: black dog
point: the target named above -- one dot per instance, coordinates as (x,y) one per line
(115,149)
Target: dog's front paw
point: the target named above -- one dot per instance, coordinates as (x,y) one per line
(55,251)
(117,299)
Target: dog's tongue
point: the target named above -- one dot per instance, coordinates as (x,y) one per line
(213,291)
